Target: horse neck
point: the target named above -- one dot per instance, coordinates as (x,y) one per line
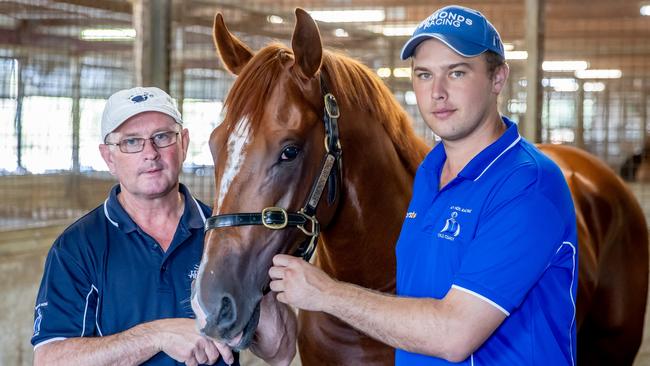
(359,244)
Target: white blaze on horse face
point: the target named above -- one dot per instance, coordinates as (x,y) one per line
(237,141)
(201,318)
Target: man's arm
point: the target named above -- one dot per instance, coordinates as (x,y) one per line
(275,337)
(451,328)
(177,338)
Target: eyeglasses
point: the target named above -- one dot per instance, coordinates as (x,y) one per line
(133,145)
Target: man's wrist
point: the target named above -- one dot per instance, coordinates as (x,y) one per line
(149,335)
(333,296)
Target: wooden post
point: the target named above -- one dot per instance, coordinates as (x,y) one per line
(152,22)
(532,127)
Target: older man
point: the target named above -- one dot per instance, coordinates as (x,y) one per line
(116,285)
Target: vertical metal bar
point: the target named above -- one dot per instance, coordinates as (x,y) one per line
(18,119)
(580,115)
(644,112)
(392,52)
(547,95)
(180,65)
(623,115)
(75,72)
(606,123)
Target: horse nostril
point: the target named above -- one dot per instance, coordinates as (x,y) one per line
(227,313)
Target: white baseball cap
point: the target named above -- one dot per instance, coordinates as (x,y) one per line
(126,103)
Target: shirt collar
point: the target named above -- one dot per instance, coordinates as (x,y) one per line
(193,217)
(482,161)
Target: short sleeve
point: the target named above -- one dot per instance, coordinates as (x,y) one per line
(513,246)
(67,299)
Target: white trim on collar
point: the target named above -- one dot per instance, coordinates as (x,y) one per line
(199,208)
(498,156)
(108,216)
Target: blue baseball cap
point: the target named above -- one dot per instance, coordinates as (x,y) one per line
(464,30)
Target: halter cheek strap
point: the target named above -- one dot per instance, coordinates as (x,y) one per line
(277,218)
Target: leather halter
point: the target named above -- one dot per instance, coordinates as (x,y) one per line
(277,218)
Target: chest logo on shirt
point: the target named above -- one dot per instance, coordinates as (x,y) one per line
(411,215)
(451,229)
(193,272)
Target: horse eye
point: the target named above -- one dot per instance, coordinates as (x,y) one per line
(289,153)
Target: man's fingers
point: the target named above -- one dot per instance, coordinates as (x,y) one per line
(211,352)
(276,286)
(282,297)
(276,273)
(226,353)
(283,260)
(199,353)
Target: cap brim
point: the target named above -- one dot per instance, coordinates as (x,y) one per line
(462,47)
(130,112)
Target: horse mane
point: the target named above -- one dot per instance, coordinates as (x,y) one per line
(351,82)
(355,84)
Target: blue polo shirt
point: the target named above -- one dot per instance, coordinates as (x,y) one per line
(503,230)
(104,275)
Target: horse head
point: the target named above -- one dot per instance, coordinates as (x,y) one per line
(267,153)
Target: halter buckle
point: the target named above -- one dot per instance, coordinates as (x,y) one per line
(315,226)
(331,107)
(276,210)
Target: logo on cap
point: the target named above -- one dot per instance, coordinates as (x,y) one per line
(139,98)
(446,18)
(464,30)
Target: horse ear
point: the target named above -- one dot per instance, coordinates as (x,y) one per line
(233,52)
(306,45)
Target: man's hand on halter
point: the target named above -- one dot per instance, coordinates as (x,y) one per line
(299,283)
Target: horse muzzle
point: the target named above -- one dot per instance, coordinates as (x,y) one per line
(224,322)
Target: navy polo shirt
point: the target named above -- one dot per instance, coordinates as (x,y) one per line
(104,275)
(503,230)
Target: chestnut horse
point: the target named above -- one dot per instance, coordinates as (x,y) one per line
(269,153)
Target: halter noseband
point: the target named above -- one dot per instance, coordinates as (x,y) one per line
(277,218)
